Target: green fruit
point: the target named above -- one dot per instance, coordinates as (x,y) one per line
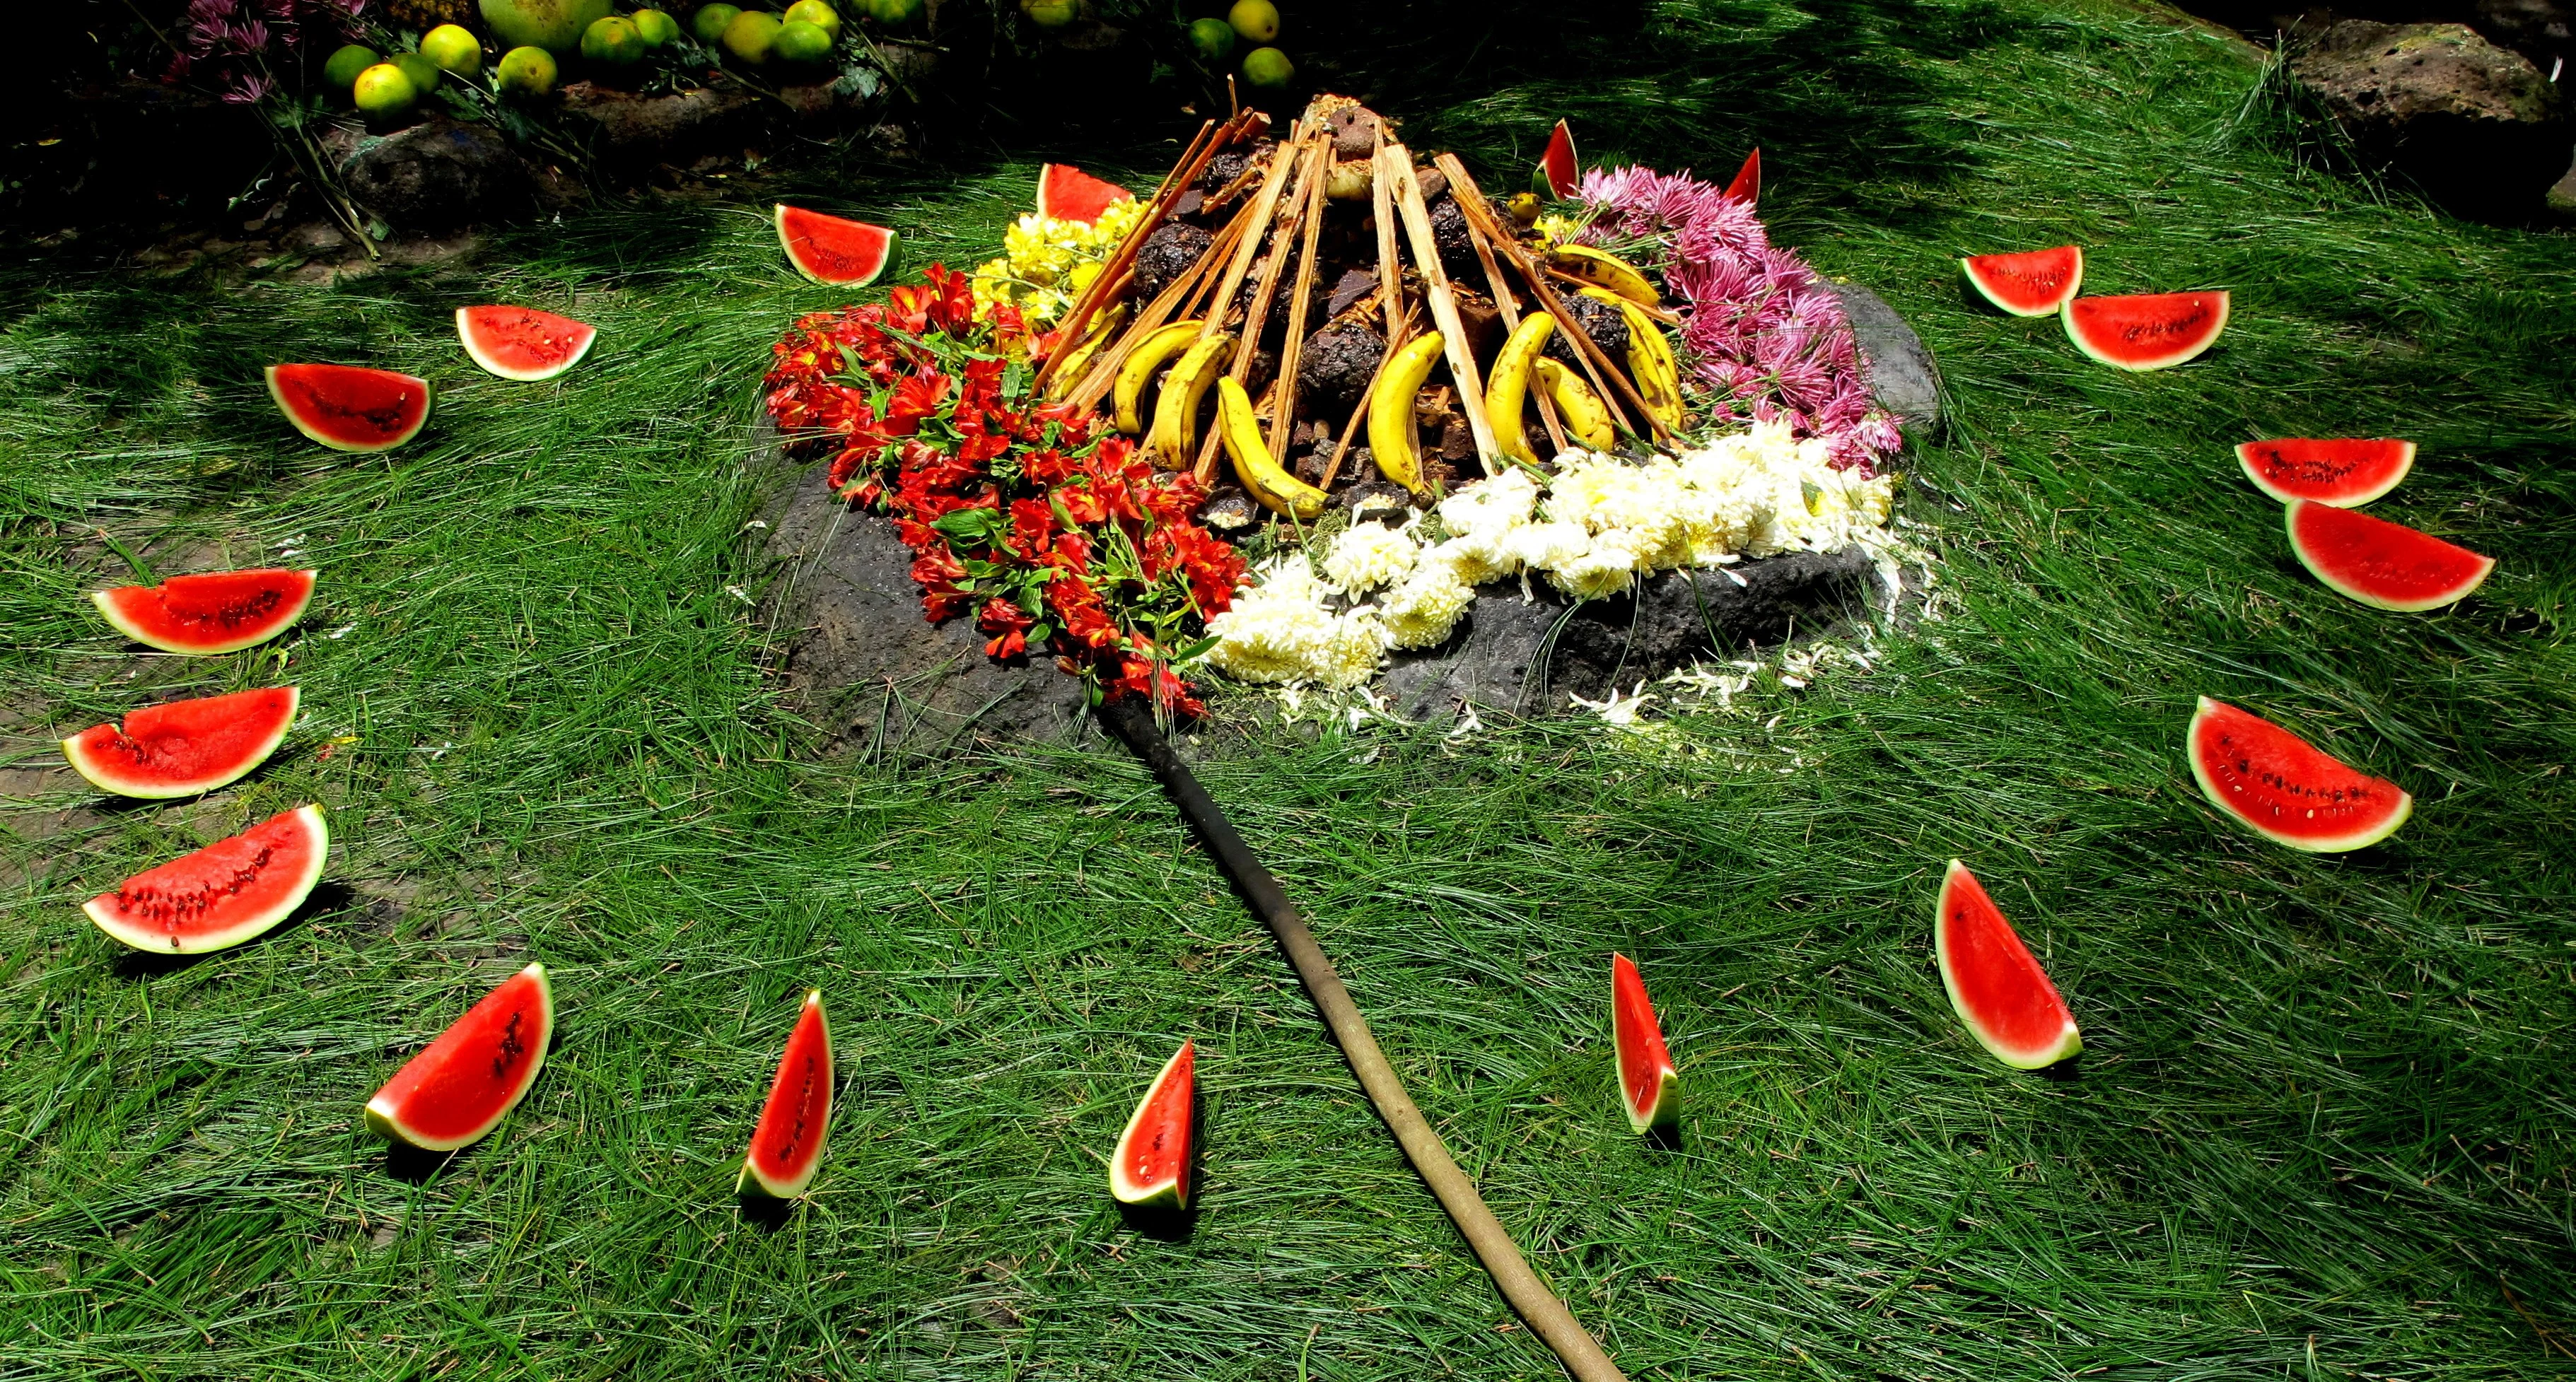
(554,25)
(1051,14)
(453,48)
(341,72)
(656,27)
(527,72)
(711,21)
(1212,39)
(384,89)
(818,14)
(751,36)
(893,14)
(1256,20)
(1268,68)
(799,41)
(612,42)
(424,74)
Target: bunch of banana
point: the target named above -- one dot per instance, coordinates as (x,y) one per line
(1507,389)
(1176,412)
(1650,359)
(1605,270)
(1139,368)
(1278,491)
(1390,426)
(1076,361)
(1586,417)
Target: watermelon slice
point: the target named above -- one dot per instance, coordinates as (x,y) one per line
(1151,1166)
(521,342)
(218,612)
(2286,790)
(1649,1088)
(2382,563)
(1067,193)
(832,251)
(1747,187)
(2345,472)
(2034,283)
(787,1147)
(182,748)
(229,892)
(463,1084)
(1557,175)
(2147,330)
(349,408)
(1995,983)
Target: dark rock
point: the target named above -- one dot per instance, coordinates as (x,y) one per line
(2541,30)
(1457,440)
(1434,184)
(1480,321)
(1457,249)
(439,175)
(1605,324)
(1228,509)
(634,129)
(2480,128)
(1222,170)
(2562,195)
(1167,254)
(1336,363)
(907,65)
(1353,285)
(1901,372)
(1354,132)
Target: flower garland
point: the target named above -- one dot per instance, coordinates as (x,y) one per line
(1024,512)
(1047,263)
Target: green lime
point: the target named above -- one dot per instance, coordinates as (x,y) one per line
(341,72)
(1256,20)
(711,20)
(1212,40)
(656,27)
(424,74)
(893,14)
(527,72)
(751,36)
(613,41)
(818,14)
(1051,14)
(454,48)
(801,42)
(1268,68)
(384,89)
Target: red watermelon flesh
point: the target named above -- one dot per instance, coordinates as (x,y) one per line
(832,251)
(1747,187)
(231,891)
(2286,790)
(787,1146)
(184,747)
(1557,174)
(218,612)
(463,1084)
(1151,1165)
(2381,563)
(521,342)
(2346,472)
(349,408)
(1649,1087)
(2033,283)
(1994,981)
(2147,330)
(1066,193)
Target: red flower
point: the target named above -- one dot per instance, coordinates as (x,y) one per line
(1008,623)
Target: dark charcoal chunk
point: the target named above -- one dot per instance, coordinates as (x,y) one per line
(1166,255)
(1222,170)
(1449,232)
(1457,440)
(1337,363)
(1604,323)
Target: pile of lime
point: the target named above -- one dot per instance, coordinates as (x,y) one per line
(1254,22)
(805,36)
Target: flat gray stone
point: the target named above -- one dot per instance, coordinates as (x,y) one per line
(1901,372)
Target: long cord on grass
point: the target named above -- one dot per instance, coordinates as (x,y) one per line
(1529,1296)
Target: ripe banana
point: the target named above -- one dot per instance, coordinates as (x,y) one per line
(1176,413)
(1391,435)
(1606,270)
(1507,391)
(1650,360)
(1137,371)
(1586,417)
(1278,491)
(1078,360)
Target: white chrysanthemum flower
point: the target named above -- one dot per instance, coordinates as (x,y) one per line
(1546,546)
(1281,631)
(1493,504)
(1369,555)
(1425,607)
(1607,568)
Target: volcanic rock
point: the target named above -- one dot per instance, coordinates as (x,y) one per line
(1605,324)
(438,175)
(2478,126)
(1166,255)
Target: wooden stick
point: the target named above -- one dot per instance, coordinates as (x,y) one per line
(1257,314)
(1301,293)
(1510,309)
(1333,467)
(1202,147)
(1390,271)
(1104,370)
(1258,214)
(1396,162)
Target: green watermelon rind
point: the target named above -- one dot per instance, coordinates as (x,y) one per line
(893,244)
(2074,285)
(118,620)
(428,405)
(2346,499)
(1543,179)
(1665,1113)
(2226,305)
(2338,844)
(2066,1047)
(491,366)
(106,778)
(1173,1191)
(247,928)
(385,1120)
(2451,595)
(755,1184)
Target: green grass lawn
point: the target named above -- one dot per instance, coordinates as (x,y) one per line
(2323,1128)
